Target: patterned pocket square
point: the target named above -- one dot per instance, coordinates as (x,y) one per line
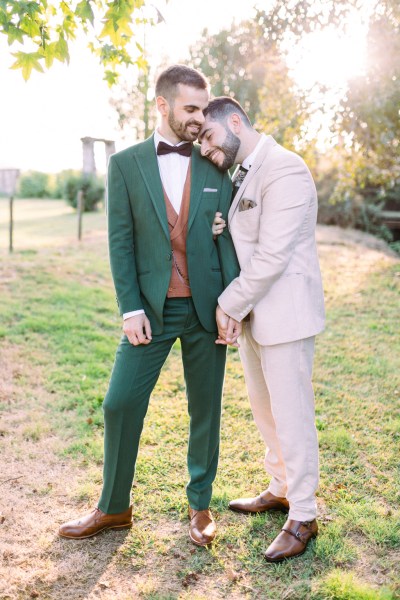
(210,190)
(246,204)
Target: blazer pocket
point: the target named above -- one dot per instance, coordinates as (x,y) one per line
(246,204)
(249,215)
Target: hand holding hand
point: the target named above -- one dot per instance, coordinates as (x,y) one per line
(228,329)
(222,322)
(137,329)
(218,225)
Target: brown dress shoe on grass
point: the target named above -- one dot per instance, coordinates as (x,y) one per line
(265,501)
(96,521)
(292,540)
(202,527)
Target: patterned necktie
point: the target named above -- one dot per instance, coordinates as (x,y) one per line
(182,149)
(237,182)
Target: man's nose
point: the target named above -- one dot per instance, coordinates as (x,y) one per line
(200,118)
(203,148)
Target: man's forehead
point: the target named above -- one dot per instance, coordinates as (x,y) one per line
(207,127)
(188,94)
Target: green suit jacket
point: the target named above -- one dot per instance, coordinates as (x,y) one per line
(139,239)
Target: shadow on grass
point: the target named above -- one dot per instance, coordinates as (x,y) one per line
(79,567)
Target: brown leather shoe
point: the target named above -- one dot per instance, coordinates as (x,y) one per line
(292,540)
(265,501)
(94,522)
(202,528)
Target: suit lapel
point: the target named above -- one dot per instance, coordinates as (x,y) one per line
(261,156)
(146,159)
(200,167)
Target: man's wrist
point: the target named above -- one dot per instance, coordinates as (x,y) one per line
(132,313)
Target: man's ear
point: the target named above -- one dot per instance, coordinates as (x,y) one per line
(235,123)
(162,106)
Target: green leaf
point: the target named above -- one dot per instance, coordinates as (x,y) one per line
(50,53)
(14,34)
(62,50)
(117,22)
(30,27)
(26,61)
(27,8)
(142,63)
(111,77)
(66,9)
(118,32)
(68,27)
(84,11)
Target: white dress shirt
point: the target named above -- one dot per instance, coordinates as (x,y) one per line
(249,160)
(173,172)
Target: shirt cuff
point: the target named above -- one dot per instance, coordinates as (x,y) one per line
(132,313)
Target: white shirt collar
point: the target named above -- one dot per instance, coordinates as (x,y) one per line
(249,160)
(159,138)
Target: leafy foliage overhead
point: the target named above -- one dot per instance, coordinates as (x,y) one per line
(369,115)
(239,59)
(43,31)
(367,174)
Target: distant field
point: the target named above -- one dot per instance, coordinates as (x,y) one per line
(39,223)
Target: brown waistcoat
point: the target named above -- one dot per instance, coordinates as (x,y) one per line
(179,286)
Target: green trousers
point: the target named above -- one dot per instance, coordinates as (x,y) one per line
(135,373)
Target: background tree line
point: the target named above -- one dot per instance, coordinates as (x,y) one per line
(358,174)
(66,184)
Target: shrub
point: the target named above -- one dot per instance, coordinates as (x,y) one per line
(34,184)
(60,181)
(92,187)
(348,207)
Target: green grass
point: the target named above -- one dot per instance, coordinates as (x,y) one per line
(344,586)
(59,308)
(39,223)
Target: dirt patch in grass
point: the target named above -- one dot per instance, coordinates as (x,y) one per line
(36,491)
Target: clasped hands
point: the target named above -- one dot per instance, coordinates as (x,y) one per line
(228,329)
(138,329)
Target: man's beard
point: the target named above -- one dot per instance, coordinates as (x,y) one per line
(229,148)
(181,129)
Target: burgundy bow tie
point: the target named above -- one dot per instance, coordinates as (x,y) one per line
(182,149)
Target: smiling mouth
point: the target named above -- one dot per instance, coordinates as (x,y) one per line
(214,155)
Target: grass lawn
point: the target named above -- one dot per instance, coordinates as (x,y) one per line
(59,318)
(39,223)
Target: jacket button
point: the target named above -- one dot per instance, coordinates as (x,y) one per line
(168,256)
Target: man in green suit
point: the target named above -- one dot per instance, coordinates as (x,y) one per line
(168,272)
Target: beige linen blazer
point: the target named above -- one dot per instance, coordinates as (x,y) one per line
(272,222)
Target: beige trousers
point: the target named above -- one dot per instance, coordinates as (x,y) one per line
(278,380)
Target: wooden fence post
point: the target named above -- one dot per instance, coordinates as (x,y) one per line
(8,186)
(81,208)
(11,229)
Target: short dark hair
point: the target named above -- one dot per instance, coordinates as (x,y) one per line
(167,82)
(220,108)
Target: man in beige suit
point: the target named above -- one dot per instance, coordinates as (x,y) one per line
(278,300)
